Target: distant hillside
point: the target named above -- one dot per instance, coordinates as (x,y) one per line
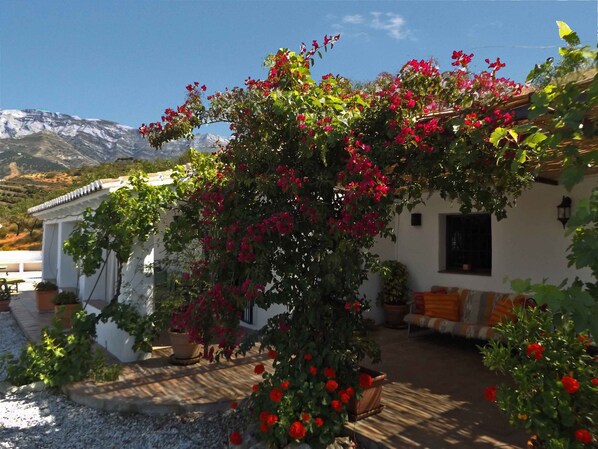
(18,192)
(40,141)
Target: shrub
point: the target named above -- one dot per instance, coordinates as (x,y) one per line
(65,297)
(45,286)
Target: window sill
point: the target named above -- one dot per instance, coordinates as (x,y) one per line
(470,272)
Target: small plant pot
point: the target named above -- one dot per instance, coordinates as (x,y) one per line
(43,300)
(369,404)
(65,312)
(4,306)
(184,352)
(394,315)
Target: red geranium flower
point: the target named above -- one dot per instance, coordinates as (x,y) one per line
(313,370)
(297,430)
(365,380)
(350,391)
(336,405)
(276,395)
(307,357)
(259,369)
(331,385)
(318,422)
(490,393)
(271,420)
(284,385)
(329,372)
(344,397)
(570,384)
(264,428)
(305,417)
(255,388)
(535,350)
(584,436)
(272,354)
(595,381)
(264,415)
(235,438)
(234,405)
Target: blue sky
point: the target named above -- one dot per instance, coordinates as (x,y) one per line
(127,61)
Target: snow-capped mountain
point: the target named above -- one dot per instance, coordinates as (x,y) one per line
(70,141)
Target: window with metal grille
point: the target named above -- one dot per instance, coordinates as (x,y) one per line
(469,243)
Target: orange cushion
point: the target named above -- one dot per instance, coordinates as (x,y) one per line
(503,310)
(442,305)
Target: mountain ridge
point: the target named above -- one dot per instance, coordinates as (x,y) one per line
(41,141)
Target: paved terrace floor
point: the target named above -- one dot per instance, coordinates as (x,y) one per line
(433,396)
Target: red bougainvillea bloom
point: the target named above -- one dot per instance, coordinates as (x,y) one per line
(570,384)
(235,438)
(336,405)
(330,373)
(319,422)
(234,405)
(259,369)
(272,354)
(583,436)
(490,393)
(535,350)
(305,417)
(313,370)
(284,385)
(276,395)
(297,430)
(365,380)
(331,385)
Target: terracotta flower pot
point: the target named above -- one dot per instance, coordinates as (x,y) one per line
(183,351)
(43,300)
(64,316)
(369,404)
(4,306)
(394,314)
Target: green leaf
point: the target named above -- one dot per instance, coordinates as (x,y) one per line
(497,135)
(534,139)
(567,34)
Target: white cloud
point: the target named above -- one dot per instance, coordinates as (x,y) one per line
(389,22)
(354,19)
(357,24)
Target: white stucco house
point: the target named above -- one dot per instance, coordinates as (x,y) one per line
(438,245)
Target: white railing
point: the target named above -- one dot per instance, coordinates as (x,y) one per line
(21,261)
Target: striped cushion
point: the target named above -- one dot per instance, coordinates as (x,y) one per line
(442,305)
(503,309)
(477,307)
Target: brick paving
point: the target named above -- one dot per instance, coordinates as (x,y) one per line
(433,395)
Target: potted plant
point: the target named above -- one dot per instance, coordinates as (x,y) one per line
(4,296)
(45,291)
(184,351)
(393,295)
(552,393)
(369,403)
(65,304)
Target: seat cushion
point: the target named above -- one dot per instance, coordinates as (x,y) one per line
(504,309)
(477,307)
(442,305)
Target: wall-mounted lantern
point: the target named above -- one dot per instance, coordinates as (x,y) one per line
(564,211)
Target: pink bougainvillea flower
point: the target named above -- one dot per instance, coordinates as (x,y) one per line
(570,385)
(490,393)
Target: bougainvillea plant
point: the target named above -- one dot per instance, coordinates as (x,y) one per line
(312,174)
